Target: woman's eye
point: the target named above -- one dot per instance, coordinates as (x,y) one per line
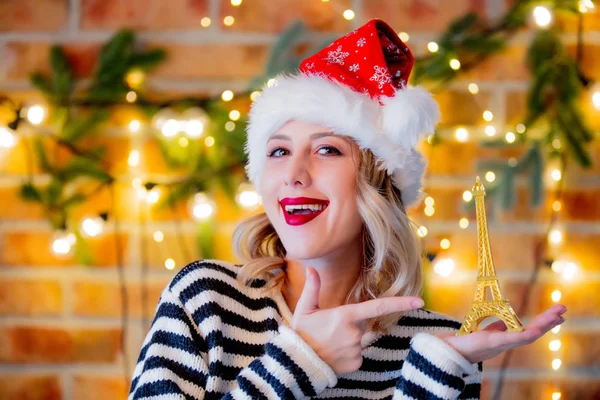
(329,150)
(277,152)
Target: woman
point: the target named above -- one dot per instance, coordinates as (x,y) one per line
(325,304)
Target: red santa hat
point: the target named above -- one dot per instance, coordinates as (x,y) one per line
(358,87)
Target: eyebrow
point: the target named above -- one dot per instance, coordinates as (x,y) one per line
(313,136)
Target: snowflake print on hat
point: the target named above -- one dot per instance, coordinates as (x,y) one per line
(381,76)
(354,67)
(337,56)
(361,42)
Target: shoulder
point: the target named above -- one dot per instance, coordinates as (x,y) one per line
(429,321)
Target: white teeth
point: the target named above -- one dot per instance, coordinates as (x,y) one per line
(313,207)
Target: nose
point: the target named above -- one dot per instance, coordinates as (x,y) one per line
(297,171)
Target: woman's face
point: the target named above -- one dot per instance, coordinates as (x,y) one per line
(308,166)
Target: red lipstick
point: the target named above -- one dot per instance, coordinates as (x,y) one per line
(301,219)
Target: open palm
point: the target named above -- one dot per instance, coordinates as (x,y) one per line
(494,339)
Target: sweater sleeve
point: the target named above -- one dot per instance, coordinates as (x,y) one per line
(175,362)
(434,370)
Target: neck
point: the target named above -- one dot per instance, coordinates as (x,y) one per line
(338,272)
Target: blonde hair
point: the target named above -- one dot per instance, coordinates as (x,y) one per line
(392,252)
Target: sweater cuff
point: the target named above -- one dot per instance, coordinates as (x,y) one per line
(442,355)
(321,375)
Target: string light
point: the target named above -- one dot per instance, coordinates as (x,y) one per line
(569,272)
(136,183)
(556,395)
(467,195)
(462,135)
(422,231)
(556,175)
(433,47)
(201,206)
(205,22)
(586,5)
(521,128)
(169,264)
(556,363)
(62,243)
(510,137)
(131,96)
(490,176)
(554,345)
(556,144)
(228,20)
(134,126)
(405,37)
(542,16)
(445,244)
(92,226)
(227,95)
(170,128)
(556,205)
(555,236)
(455,64)
(195,121)
(234,115)
(247,197)
(490,130)
(463,223)
(135,78)
(254,95)
(158,236)
(229,126)
(556,295)
(183,141)
(349,15)
(444,267)
(36,114)
(153,195)
(488,116)
(556,329)
(134,158)
(429,211)
(209,141)
(596,99)
(473,88)
(8,140)
(512,161)
(429,201)
(236,3)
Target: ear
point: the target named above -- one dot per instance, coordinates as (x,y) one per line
(409,113)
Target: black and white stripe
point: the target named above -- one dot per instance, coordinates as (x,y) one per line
(214,338)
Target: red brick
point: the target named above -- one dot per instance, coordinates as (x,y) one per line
(30,387)
(104,299)
(20,248)
(21,344)
(420,15)
(33,15)
(508,65)
(276,16)
(99,388)
(142,14)
(462,108)
(16,298)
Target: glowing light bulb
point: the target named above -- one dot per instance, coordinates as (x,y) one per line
(556,205)
(153,195)
(542,16)
(134,126)
(170,128)
(462,135)
(227,95)
(195,121)
(8,140)
(596,99)
(467,195)
(201,206)
(135,78)
(36,114)
(228,20)
(169,264)
(422,231)
(229,126)
(490,130)
(463,223)
(554,345)
(555,236)
(445,244)
(92,226)
(209,141)
(134,158)
(556,363)
(158,236)
(236,3)
(349,15)
(558,266)
(205,22)
(247,197)
(586,6)
(512,161)
(556,329)
(62,244)
(556,295)
(473,88)
(234,115)
(556,395)
(429,211)
(444,267)
(556,144)
(131,96)
(570,271)
(556,175)
(488,116)
(490,176)
(405,37)
(510,137)
(521,128)
(254,95)
(183,141)
(429,201)
(433,47)
(455,64)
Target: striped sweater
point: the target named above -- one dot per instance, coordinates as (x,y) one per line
(215,338)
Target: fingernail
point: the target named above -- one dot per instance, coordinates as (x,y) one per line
(564,310)
(418,303)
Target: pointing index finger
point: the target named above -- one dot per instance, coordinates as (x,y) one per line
(380,307)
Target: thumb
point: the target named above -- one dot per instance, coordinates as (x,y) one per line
(309,299)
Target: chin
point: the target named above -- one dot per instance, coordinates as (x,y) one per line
(302,249)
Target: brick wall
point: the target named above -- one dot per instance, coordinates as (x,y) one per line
(60,322)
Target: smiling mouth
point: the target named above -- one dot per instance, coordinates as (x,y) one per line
(305,209)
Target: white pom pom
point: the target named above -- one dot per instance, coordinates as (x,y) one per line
(409,113)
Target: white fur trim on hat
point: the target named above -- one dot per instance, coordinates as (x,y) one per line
(389,129)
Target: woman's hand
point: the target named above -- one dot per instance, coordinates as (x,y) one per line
(335,333)
(493,339)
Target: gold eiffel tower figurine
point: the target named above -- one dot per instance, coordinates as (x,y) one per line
(481,307)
